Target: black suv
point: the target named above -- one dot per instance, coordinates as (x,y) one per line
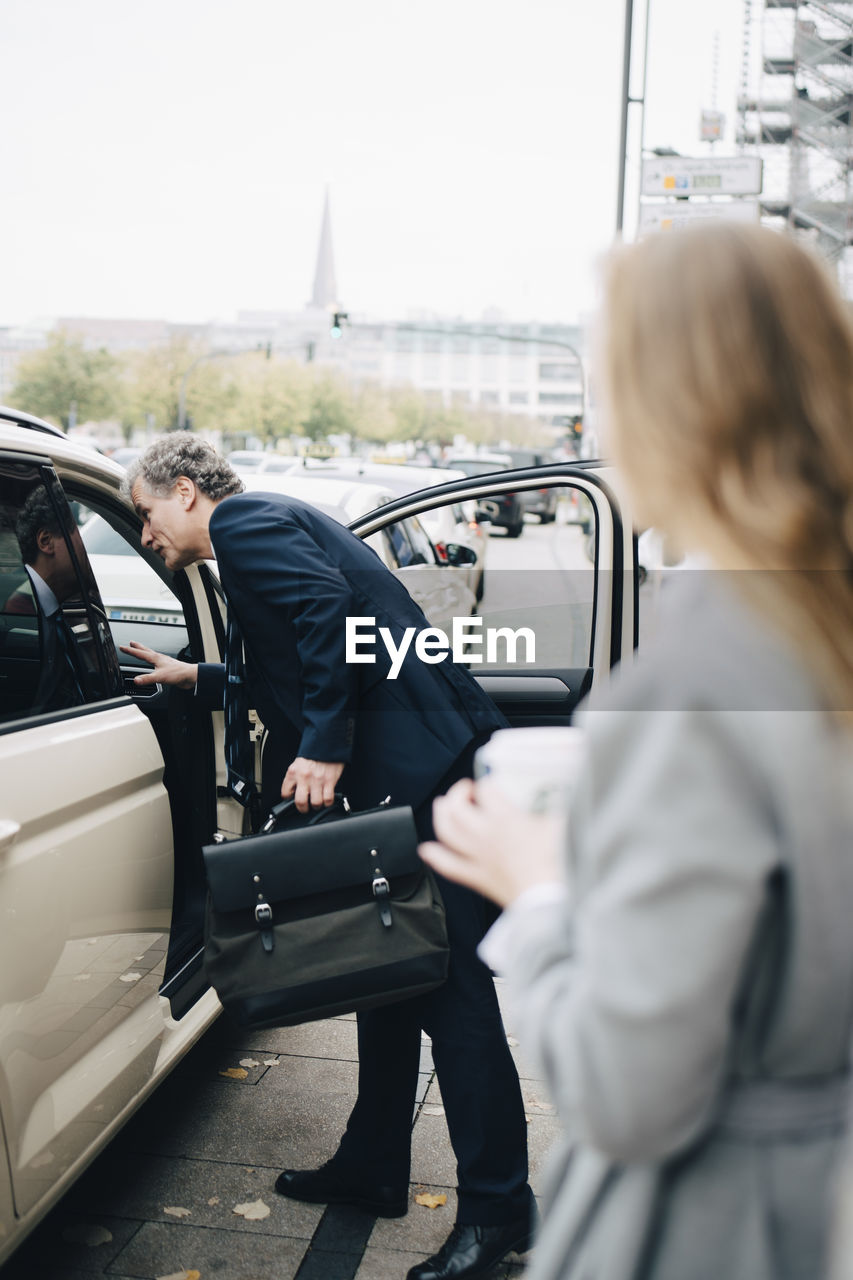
(536,502)
(506,510)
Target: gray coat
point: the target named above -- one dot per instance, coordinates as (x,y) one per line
(691,1006)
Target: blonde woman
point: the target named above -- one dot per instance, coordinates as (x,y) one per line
(688,990)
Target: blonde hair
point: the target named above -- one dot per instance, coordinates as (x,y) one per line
(728,371)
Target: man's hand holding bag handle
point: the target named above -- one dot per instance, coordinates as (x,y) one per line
(333,915)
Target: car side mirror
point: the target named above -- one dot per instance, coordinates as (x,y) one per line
(459,555)
(486,512)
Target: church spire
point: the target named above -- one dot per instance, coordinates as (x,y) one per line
(325,296)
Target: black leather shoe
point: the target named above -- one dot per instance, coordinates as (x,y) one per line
(327,1185)
(471,1251)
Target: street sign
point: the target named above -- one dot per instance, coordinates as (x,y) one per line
(672,215)
(710,175)
(711,125)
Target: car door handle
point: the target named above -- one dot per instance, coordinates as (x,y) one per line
(8,833)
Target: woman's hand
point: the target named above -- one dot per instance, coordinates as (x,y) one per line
(490,845)
(166,670)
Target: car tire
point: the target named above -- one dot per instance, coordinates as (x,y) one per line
(515,530)
(548,517)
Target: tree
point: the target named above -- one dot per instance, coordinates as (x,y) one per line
(330,408)
(152,387)
(66,381)
(274,397)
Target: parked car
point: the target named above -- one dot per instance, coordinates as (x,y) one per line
(507,509)
(536,502)
(255,463)
(245,459)
(110,790)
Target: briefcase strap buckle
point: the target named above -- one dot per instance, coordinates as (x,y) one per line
(382,894)
(263,919)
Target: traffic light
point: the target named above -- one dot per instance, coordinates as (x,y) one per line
(337,323)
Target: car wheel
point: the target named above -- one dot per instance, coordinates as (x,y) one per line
(548,517)
(515,530)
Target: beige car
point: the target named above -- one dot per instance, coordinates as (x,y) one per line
(109,792)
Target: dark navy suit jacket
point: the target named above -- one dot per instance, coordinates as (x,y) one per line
(292,575)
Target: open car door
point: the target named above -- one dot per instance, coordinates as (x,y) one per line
(558,607)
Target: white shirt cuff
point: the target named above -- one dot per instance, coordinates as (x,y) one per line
(494,948)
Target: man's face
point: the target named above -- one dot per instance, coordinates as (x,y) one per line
(168,526)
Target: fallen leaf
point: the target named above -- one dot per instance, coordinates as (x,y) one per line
(87,1233)
(182,1275)
(130,977)
(174,1212)
(542,1108)
(254,1211)
(271,1062)
(213,1200)
(234,1073)
(430,1201)
(432,1109)
(249,1062)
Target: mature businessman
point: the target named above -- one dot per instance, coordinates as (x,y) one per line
(292,576)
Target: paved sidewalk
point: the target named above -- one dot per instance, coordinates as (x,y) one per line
(160,1201)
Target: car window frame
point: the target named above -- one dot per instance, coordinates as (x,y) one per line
(95,614)
(621,624)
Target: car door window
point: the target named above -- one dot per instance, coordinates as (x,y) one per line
(399,546)
(139,603)
(54,650)
(543,582)
(422,552)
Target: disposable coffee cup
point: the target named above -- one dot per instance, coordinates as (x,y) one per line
(535,768)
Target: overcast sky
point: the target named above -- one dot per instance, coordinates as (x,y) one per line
(169,158)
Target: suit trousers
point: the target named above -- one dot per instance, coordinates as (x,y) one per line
(476,1073)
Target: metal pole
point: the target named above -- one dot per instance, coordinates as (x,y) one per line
(623,128)
(643,112)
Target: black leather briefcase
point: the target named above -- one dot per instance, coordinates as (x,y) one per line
(327,917)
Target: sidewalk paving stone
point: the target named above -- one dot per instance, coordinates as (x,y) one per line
(206,1137)
(161,1249)
(160,1182)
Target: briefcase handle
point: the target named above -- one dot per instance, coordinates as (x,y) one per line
(285,807)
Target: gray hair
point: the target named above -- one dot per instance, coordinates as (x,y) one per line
(180,453)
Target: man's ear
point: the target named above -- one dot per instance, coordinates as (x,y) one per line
(44,542)
(186,491)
